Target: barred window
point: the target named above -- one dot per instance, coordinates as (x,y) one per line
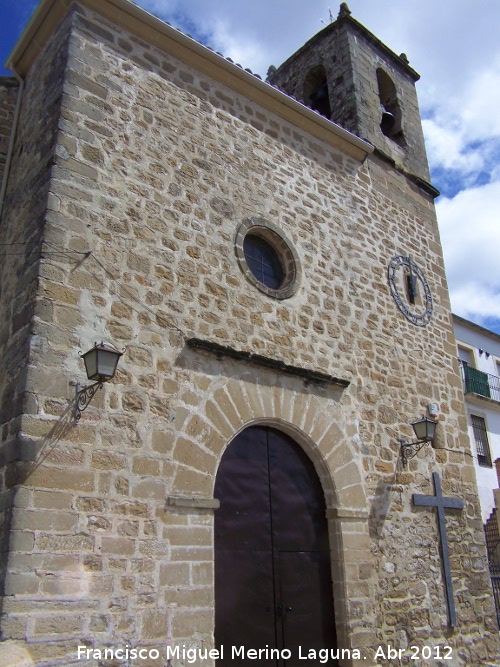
(481,439)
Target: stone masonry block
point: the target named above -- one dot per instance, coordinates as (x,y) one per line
(353,496)
(154,624)
(189,536)
(174,574)
(106,460)
(52,500)
(218,419)
(62,624)
(192,482)
(226,406)
(149,489)
(162,441)
(44,520)
(241,404)
(64,543)
(192,455)
(118,545)
(21,584)
(184,623)
(66,480)
(144,465)
(202,574)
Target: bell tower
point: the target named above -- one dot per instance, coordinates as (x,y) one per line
(348,75)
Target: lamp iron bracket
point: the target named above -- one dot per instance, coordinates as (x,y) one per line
(410,449)
(83,397)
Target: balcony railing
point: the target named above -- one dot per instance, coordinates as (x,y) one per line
(480,383)
(495,584)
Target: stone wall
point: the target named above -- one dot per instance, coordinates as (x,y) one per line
(8,96)
(155,168)
(21,234)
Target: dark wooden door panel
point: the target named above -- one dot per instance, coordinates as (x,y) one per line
(243,520)
(245,611)
(307,618)
(297,501)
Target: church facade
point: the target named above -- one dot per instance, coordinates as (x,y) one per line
(267,258)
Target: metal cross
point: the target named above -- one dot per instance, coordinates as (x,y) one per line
(441,503)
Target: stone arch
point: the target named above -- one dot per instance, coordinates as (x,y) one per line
(313,421)
(316,422)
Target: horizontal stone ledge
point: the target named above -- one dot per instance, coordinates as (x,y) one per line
(193,503)
(341,513)
(306,374)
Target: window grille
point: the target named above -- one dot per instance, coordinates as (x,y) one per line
(481,438)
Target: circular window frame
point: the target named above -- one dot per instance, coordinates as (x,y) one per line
(282,247)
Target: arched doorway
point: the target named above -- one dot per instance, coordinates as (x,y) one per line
(272,565)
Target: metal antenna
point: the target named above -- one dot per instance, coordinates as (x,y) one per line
(330,14)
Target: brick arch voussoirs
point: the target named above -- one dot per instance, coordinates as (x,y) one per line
(315,423)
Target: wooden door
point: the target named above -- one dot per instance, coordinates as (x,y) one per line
(272,567)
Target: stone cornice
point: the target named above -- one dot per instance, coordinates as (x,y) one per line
(307,374)
(123,13)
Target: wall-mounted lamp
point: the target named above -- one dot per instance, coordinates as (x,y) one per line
(425,430)
(100,363)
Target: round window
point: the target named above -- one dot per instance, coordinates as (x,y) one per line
(266,258)
(263,261)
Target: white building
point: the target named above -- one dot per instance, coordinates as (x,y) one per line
(479,354)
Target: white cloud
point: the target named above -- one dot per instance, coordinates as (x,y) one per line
(470,233)
(446,144)
(476,302)
(241,51)
(464,132)
(255,35)
(481,102)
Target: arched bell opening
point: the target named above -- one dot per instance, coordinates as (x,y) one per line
(316,93)
(391,117)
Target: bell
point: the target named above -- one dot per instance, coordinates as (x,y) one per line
(319,101)
(320,94)
(387,122)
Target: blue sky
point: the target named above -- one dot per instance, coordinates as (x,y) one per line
(453,44)
(14,14)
